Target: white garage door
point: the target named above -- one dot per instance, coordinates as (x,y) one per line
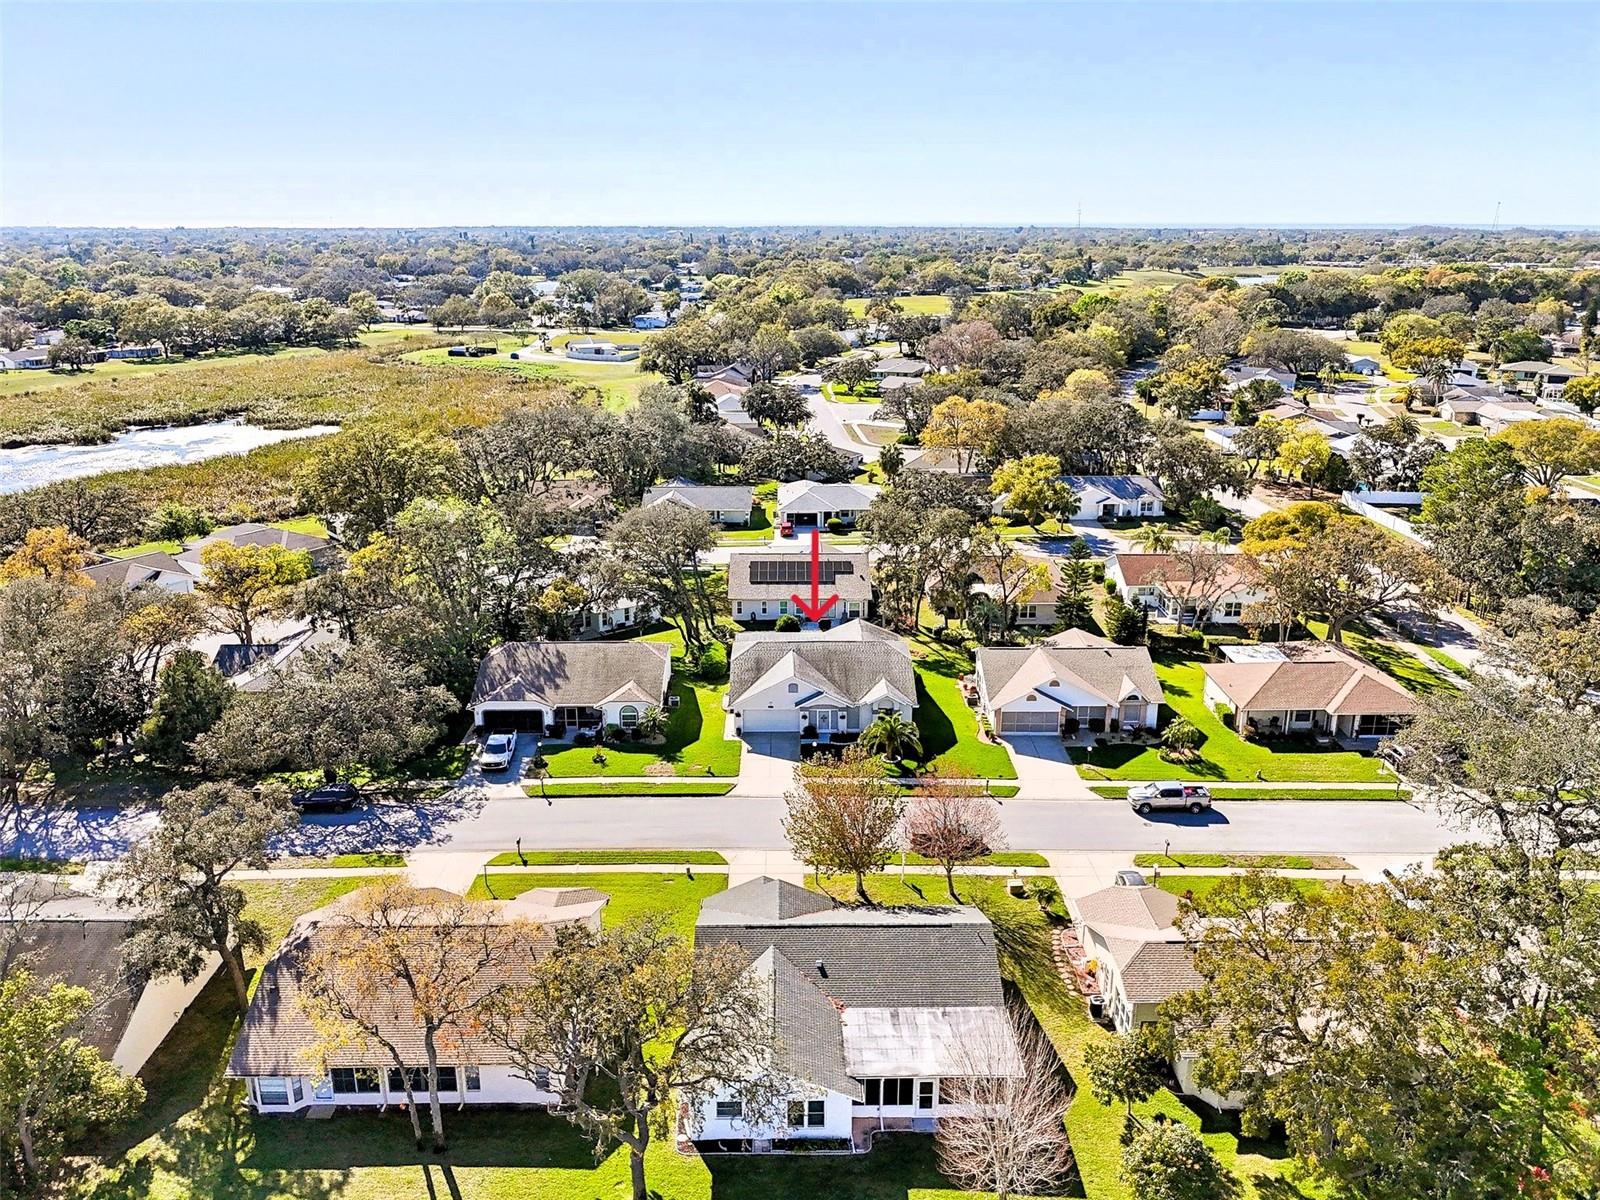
(1029,722)
(772,720)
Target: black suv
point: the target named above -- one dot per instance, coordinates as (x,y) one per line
(330,797)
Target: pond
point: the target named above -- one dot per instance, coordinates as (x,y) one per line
(34,466)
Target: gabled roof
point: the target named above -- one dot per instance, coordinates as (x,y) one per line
(1111,673)
(139,568)
(705,497)
(849,661)
(1145,908)
(1311,675)
(572,673)
(254,533)
(845,572)
(764,899)
(1137,925)
(832,497)
(806,1025)
(1167,570)
(1096,489)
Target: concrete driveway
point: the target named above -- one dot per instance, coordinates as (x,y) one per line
(1044,772)
(766,767)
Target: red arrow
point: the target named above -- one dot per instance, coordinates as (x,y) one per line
(815,610)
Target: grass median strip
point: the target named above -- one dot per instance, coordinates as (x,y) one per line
(593,858)
(1198,887)
(1120,792)
(1273,862)
(629,789)
(39,866)
(1000,858)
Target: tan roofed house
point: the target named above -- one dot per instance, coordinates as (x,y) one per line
(1306,687)
(541,685)
(1074,680)
(1165,584)
(832,681)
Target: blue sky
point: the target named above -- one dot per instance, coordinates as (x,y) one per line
(424,114)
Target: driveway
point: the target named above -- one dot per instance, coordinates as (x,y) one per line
(1044,772)
(766,768)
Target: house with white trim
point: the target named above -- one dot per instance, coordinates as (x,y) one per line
(1115,497)
(541,686)
(1072,681)
(832,681)
(723,504)
(875,1012)
(763,584)
(1165,585)
(1306,687)
(807,503)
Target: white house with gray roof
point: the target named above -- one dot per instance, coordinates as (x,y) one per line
(575,685)
(873,1008)
(1115,497)
(1074,680)
(724,505)
(807,503)
(829,681)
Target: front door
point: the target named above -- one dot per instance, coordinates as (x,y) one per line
(824,720)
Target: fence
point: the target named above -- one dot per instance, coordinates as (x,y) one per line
(1356,503)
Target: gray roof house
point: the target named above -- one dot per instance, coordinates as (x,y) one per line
(830,682)
(254,533)
(725,505)
(285,1060)
(806,502)
(913,368)
(1115,497)
(1141,957)
(537,685)
(762,584)
(1074,681)
(155,569)
(874,1009)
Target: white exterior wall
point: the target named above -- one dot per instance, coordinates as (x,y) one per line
(160,1005)
(500,1085)
(1079,700)
(837,1112)
(518,706)
(1089,510)
(771,610)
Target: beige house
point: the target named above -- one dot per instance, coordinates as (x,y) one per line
(1073,680)
(1140,957)
(1306,687)
(540,686)
(1167,587)
(763,584)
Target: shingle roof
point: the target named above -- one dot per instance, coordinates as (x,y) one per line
(832,497)
(86,954)
(1311,675)
(1140,570)
(571,673)
(1147,908)
(845,572)
(764,899)
(850,659)
(254,533)
(810,1037)
(137,569)
(1112,673)
(278,1038)
(1112,487)
(705,497)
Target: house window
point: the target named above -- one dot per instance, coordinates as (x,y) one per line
(418,1078)
(1376,725)
(730,1110)
(897,1093)
(927,1091)
(783,608)
(1232,608)
(474,1079)
(1302,716)
(541,1078)
(299,1088)
(763,608)
(1027,612)
(794,687)
(807,1114)
(627,716)
(272,1090)
(355,1081)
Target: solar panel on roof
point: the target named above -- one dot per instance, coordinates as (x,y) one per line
(798,570)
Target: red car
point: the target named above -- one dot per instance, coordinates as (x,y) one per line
(786,529)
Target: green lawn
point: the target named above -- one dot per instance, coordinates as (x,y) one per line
(1394,661)
(633,893)
(694,745)
(1198,887)
(758,530)
(999,858)
(1224,755)
(917,306)
(1266,862)
(948,725)
(1446,661)
(619,384)
(1022,937)
(600,788)
(572,858)
(39,866)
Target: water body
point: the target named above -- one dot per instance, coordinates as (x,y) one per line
(1254,280)
(34,466)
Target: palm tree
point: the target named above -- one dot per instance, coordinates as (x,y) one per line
(1153,538)
(892,737)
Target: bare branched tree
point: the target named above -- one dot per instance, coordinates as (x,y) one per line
(953,824)
(844,816)
(1004,1127)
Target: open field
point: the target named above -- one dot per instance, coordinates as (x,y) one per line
(933,306)
(619,384)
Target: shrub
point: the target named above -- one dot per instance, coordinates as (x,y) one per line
(1181,740)
(835,525)
(788,623)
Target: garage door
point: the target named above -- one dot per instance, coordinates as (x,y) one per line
(771,720)
(1029,722)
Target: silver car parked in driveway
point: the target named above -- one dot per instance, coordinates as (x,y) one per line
(1148,797)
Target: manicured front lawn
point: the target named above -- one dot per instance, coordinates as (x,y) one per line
(601,788)
(633,894)
(1198,887)
(1274,862)
(1404,667)
(564,858)
(694,745)
(999,858)
(1119,791)
(1224,755)
(948,725)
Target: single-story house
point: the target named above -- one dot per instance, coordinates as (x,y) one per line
(154,569)
(1164,584)
(731,373)
(289,1067)
(906,368)
(762,584)
(1361,364)
(256,674)
(1497,415)
(593,350)
(253,533)
(78,937)
(807,503)
(1306,687)
(1548,379)
(29,358)
(623,612)
(1242,375)
(572,685)
(1140,957)
(137,353)
(1038,609)
(1114,497)
(723,504)
(875,1012)
(832,681)
(652,320)
(1073,679)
